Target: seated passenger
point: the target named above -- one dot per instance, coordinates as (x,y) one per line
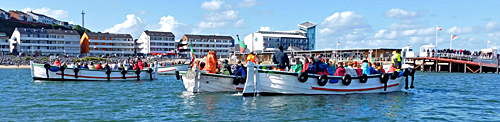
(121,67)
(131,66)
(195,65)
(312,68)
(359,71)
(297,67)
(340,70)
(331,68)
(392,69)
(380,68)
(56,63)
(350,70)
(106,67)
(99,66)
(240,72)
(85,66)
(91,65)
(321,65)
(366,67)
(373,68)
(305,66)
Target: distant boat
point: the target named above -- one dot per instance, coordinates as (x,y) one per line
(60,73)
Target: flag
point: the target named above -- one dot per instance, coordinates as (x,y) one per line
(338,43)
(438,28)
(192,52)
(454,36)
(242,44)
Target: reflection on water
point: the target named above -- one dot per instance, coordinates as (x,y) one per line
(437,97)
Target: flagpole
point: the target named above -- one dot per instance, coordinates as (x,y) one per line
(451,41)
(436,37)
(252,42)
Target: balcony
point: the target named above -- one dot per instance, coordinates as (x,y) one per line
(111,41)
(109,46)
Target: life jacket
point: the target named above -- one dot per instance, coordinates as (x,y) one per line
(251,58)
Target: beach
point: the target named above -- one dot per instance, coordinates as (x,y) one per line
(14,67)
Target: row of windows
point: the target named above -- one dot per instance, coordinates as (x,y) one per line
(286,40)
(112,44)
(162,49)
(114,39)
(304,47)
(112,49)
(49,42)
(50,47)
(208,45)
(161,44)
(47,36)
(160,38)
(206,51)
(210,40)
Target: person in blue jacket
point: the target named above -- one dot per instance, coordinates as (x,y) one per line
(366,67)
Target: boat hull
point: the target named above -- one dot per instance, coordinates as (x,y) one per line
(197,82)
(170,70)
(38,72)
(277,82)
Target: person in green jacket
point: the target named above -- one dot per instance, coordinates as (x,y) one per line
(297,67)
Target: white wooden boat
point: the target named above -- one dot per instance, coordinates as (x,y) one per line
(268,82)
(199,81)
(170,70)
(57,73)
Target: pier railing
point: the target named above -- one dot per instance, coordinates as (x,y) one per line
(490,59)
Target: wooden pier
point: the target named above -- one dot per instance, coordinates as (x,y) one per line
(454,64)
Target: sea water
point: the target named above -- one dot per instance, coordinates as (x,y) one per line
(437,97)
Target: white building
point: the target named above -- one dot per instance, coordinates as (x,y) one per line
(4,43)
(95,44)
(40,18)
(156,42)
(45,41)
(4,14)
(204,43)
(303,39)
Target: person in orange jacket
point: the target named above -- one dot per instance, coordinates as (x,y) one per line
(251,57)
(210,64)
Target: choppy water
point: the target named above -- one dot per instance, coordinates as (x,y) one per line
(437,97)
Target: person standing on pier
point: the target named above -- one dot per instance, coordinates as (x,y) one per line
(251,57)
(396,59)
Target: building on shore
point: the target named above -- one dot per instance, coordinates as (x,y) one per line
(95,44)
(33,41)
(156,42)
(40,18)
(304,39)
(4,44)
(20,16)
(204,43)
(4,14)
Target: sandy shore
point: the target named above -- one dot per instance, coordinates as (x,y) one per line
(15,67)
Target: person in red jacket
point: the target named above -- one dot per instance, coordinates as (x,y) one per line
(140,64)
(57,63)
(306,64)
(340,70)
(99,66)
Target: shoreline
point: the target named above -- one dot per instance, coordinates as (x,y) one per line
(15,67)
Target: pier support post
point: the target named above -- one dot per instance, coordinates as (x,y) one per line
(480,66)
(436,64)
(422,67)
(449,65)
(497,66)
(465,67)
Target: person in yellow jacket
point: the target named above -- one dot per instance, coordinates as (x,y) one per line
(251,57)
(396,60)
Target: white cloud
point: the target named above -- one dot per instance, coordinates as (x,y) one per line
(70,22)
(345,20)
(495,35)
(212,5)
(265,28)
(400,14)
(492,25)
(211,25)
(342,26)
(143,12)
(169,24)
(222,16)
(57,14)
(240,23)
(133,25)
(247,3)
(460,30)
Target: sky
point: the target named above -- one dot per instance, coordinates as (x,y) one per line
(353,23)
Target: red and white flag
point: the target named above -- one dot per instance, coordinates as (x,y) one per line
(454,37)
(438,28)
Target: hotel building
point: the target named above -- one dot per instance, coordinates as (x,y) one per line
(4,43)
(156,42)
(204,43)
(95,44)
(303,39)
(33,41)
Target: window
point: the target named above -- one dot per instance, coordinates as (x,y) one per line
(103,38)
(95,38)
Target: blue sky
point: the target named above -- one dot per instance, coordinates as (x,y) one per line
(355,23)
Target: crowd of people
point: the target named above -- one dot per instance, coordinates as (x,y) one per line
(313,65)
(127,64)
